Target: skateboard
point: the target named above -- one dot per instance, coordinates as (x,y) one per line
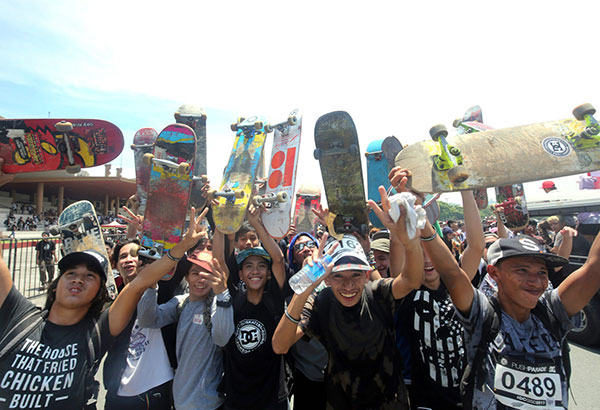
(338,153)
(308,197)
(504,156)
(79,231)
(195,117)
(143,143)
(471,122)
(512,199)
(168,190)
(391,147)
(240,173)
(282,175)
(33,145)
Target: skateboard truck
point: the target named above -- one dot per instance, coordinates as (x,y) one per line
(336,147)
(588,138)
(291,120)
(229,194)
(181,168)
(450,158)
(281,197)
(64,128)
(72,227)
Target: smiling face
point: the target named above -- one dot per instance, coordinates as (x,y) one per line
(431,277)
(347,286)
(77,287)
(382,262)
(521,280)
(254,271)
(126,263)
(199,287)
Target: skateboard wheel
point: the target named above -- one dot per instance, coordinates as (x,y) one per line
(258,125)
(183,168)
(239,193)
(438,131)
(147,158)
(582,110)
(210,195)
(256,200)
(64,126)
(456,123)
(292,120)
(234,127)
(268,129)
(204,179)
(317,153)
(518,200)
(457,175)
(54,231)
(134,251)
(353,149)
(281,197)
(73,169)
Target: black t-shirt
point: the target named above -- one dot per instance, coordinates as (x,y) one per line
(47,369)
(45,250)
(437,351)
(364,370)
(254,377)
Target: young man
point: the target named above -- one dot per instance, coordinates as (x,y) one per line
(380,246)
(46,258)
(353,318)
(47,367)
(205,325)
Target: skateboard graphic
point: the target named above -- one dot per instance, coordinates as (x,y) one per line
(338,153)
(512,199)
(79,231)
(281,179)
(504,156)
(308,197)
(239,175)
(32,145)
(143,143)
(194,117)
(168,190)
(471,122)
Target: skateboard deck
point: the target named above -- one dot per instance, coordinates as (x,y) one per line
(391,147)
(239,176)
(79,231)
(194,117)
(308,197)
(33,145)
(168,189)
(338,152)
(281,179)
(512,199)
(143,143)
(504,156)
(377,174)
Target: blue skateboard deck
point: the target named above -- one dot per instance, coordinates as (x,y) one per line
(377,175)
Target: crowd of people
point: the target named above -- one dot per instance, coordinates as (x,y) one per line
(400,319)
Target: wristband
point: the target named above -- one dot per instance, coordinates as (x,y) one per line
(290,318)
(172,257)
(429,238)
(224,303)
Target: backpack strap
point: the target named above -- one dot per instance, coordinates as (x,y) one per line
(475,370)
(94,346)
(21,330)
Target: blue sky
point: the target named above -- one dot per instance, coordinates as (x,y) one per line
(396,68)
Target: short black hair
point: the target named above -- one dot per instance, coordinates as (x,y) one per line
(118,246)
(244,229)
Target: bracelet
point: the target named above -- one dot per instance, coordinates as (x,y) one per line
(172,257)
(290,318)
(429,238)
(224,303)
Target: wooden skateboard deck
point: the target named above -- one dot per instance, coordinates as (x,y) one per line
(512,199)
(506,156)
(143,143)
(79,231)
(169,189)
(308,198)
(239,176)
(338,153)
(33,145)
(194,117)
(281,179)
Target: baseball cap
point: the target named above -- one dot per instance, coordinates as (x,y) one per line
(548,185)
(522,245)
(202,258)
(89,257)
(246,253)
(349,255)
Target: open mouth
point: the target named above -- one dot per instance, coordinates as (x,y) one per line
(348,295)
(75,290)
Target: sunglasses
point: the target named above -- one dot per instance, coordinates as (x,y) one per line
(300,246)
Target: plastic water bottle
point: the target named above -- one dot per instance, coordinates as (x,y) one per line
(308,275)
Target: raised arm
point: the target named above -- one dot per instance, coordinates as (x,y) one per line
(274,251)
(124,305)
(471,257)
(580,286)
(152,315)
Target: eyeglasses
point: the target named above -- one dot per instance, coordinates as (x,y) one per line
(300,246)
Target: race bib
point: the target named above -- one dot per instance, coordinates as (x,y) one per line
(524,385)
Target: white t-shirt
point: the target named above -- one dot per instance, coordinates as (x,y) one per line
(147,362)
